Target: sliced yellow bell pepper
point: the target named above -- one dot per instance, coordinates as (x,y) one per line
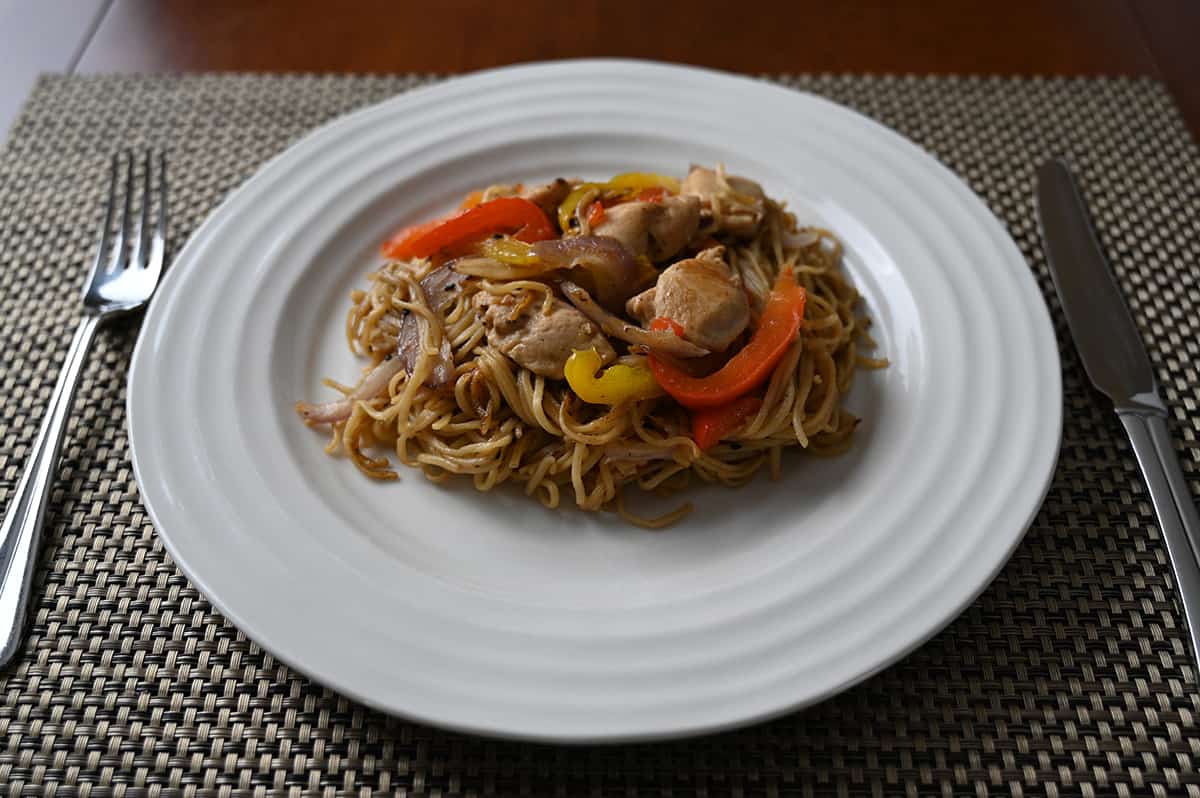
(507,249)
(618,383)
(636,181)
(628,183)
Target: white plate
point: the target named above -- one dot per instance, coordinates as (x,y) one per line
(491,614)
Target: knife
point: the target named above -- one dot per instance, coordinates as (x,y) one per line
(1117,364)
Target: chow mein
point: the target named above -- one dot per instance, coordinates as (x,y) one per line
(584,339)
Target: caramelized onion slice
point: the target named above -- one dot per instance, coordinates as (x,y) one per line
(655,341)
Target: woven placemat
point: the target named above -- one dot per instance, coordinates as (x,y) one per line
(1069,676)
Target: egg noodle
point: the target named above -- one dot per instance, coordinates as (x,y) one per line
(498,422)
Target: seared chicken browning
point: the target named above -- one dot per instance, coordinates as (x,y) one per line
(702,296)
(658,230)
(733,205)
(539,341)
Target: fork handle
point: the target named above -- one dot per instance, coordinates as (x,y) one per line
(22,528)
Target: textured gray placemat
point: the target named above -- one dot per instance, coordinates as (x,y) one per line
(1069,676)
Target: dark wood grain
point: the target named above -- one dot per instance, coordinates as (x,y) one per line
(1171,29)
(1158,38)
(935,36)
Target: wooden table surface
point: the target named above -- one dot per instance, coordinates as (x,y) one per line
(1158,38)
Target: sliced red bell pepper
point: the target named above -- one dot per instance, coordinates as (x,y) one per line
(711,425)
(407,234)
(749,368)
(512,215)
(595,214)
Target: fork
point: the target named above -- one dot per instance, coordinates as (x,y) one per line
(122,278)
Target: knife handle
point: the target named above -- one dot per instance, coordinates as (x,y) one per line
(1174,506)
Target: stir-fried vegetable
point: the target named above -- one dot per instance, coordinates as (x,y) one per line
(749,368)
(513,215)
(507,249)
(639,181)
(628,184)
(654,340)
(411,233)
(620,382)
(711,425)
(600,263)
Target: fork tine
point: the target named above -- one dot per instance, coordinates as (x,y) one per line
(159,242)
(102,247)
(142,227)
(118,244)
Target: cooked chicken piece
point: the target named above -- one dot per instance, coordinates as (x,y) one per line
(541,342)
(661,341)
(657,230)
(736,204)
(702,296)
(549,196)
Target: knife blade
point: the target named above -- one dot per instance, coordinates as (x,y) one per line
(1105,335)
(1117,364)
